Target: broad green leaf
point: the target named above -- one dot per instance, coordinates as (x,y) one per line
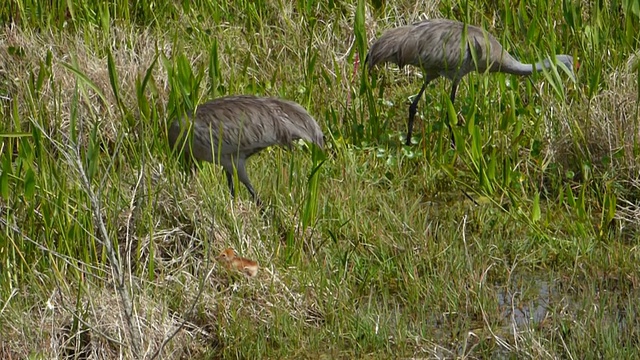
(535,211)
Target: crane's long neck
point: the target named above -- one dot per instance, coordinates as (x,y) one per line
(518,68)
(513,66)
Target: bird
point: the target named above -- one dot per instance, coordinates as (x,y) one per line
(232,261)
(228,130)
(436,47)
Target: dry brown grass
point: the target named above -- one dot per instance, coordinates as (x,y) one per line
(607,125)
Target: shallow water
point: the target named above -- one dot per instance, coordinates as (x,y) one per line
(525,302)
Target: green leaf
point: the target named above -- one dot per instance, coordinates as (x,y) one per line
(43,72)
(610,202)
(359,29)
(507,172)
(15,135)
(561,196)
(580,204)
(535,211)
(571,200)
(29,183)
(113,79)
(4,178)
(214,69)
(452,114)
(85,79)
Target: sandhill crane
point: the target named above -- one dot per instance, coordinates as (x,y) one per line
(230,129)
(231,260)
(436,47)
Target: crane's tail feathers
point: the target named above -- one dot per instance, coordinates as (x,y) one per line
(367,63)
(178,134)
(300,125)
(315,135)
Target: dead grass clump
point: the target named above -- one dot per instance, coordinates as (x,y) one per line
(95,331)
(628,210)
(603,133)
(133,54)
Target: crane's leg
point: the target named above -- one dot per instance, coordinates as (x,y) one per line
(454,88)
(244,178)
(414,106)
(412,112)
(230,182)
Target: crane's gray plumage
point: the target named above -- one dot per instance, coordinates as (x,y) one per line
(436,47)
(229,130)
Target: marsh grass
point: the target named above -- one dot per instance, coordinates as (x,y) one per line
(368,249)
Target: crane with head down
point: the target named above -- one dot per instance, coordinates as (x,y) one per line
(448,48)
(231,129)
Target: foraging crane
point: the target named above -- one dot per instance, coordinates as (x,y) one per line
(436,47)
(230,129)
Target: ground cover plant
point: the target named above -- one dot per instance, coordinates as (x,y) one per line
(520,243)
